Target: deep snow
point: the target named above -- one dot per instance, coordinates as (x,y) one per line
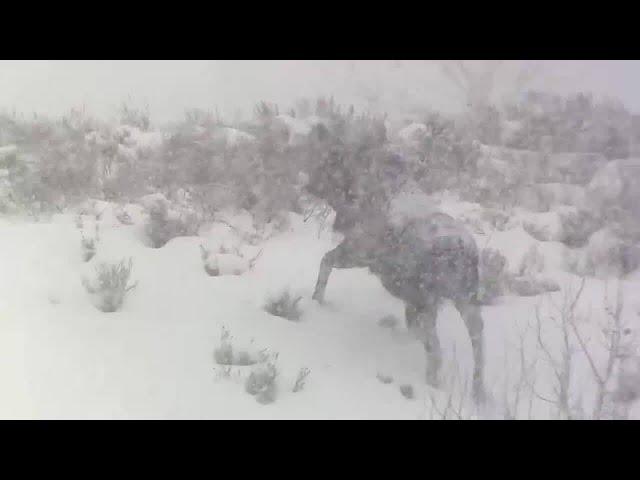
(62,358)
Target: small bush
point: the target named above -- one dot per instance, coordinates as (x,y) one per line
(407,391)
(261,382)
(225,354)
(388,321)
(386,379)
(285,306)
(300,379)
(532,262)
(226,262)
(111,285)
(577,227)
(212,270)
(124,218)
(88,248)
(605,254)
(161,228)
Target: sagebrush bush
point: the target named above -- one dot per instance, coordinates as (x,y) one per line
(407,391)
(532,262)
(161,228)
(88,248)
(261,382)
(225,354)
(577,227)
(285,306)
(111,285)
(386,379)
(300,379)
(124,218)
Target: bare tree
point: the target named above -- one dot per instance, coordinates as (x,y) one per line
(612,399)
(475,84)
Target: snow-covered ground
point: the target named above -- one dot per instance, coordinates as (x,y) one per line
(60,357)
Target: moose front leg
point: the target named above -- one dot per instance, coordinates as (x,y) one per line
(326,266)
(344,255)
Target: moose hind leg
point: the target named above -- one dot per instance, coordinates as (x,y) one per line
(427,331)
(470,313)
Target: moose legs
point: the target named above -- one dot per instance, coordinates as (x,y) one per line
(422,322)
(470,313)
(345,255)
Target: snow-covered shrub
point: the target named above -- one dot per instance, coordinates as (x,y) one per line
(502,177)
(544,227)
(492,275)
(606,254)
(20,189)
(300,379)
(407,391)
(123,217)
(382,378)
(527,280)
(285,306)
(276,223)
(448,154)
(532,262)
(388,321)
(111,285)
(135,117)
(226,262)
(574,168)
(580,263)
(577,227)
(261,382)
(162,226)
(225,354)
(88,245)
(67,165)
(212,269)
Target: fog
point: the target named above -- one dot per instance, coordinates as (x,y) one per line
(233,87)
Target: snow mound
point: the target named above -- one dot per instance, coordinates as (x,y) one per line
(234,136)
(414,132)
(138,139)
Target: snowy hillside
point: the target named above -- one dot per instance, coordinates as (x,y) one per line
(63,358)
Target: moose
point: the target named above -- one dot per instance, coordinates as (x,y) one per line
(421,262)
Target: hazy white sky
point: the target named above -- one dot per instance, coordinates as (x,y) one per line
(169,87)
